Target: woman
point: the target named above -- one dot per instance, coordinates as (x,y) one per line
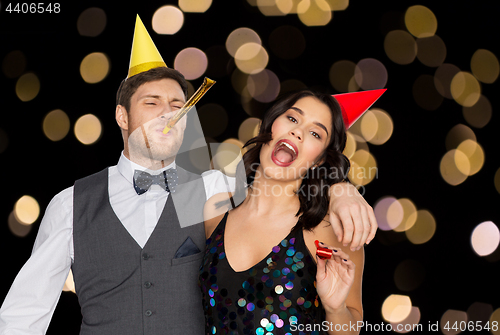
(260,273)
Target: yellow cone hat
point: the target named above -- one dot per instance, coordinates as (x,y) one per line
(144,54)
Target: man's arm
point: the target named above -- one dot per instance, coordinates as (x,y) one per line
(32,298)
(352,219)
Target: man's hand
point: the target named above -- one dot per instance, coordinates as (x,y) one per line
(351,217)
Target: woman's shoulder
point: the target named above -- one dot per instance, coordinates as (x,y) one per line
(214,211)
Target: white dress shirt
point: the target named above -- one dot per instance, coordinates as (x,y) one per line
(32,298)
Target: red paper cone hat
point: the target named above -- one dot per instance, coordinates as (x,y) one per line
(354,104)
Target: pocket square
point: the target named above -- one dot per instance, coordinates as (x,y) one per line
(187,248)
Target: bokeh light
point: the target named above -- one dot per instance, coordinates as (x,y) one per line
(495,317)
(497,180)
(88,129)
(27,87)
(475,156)
(363,168)
(14,64)
(423,229)
(425,93)
(213,118)
(409,274)
(263,86)
(91,22)
(239,37)
(479,114)
(191,62)
(350,146)
(457,135)
(17,228)
(56,125)
(479,313)
(239,81)
(314,12)
(400,47)
(218,60)
(381,211)
(370,74)
(465,89)
(431,51)
(443,77)
(484,66)
(287,42)
(94,67)
(198,6)
(248,129)
(450,317)
(409,215)
(410,323)
(227,156)
(420,21)
(396,308)
(485,238)
(26,210)
(167,20)
(385,126)
(341,73)
(251,58)
(454,167)
(275,7)
(338,5)
(369,125)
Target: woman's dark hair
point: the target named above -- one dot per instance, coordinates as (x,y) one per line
(313,193)
(130,85)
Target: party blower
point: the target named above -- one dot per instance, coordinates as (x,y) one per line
(207,83)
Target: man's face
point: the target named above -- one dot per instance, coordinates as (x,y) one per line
(151,106)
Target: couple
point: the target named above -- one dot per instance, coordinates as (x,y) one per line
(136,264)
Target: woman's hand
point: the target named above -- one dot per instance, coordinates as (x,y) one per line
(352,219)
(334,279)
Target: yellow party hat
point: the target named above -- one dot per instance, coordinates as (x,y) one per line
(144,54)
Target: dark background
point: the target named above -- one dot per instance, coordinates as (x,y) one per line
(455,277)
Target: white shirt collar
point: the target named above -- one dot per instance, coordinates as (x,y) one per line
(126,168)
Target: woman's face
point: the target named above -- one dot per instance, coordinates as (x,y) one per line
(300,135)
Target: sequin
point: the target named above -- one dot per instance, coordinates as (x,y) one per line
(215,288)
(276,273)
(259,331)
(299,255)
(289,261)
(276,249)
(273,318)
(285,271)
(290,252)
(278,289)
(269,327)
(292,311)
(252,272)
(264,322)
(269,283)
(222,255)
(264,278)
(284,243)
(241,302)
(211,293)
(287,303)
(300,301)
(213,250)
(270,308)
(246,284)
(307,304)
(250,307)
(293,319)
(279,323)
(292,240)
(289,285)
(214,330)
(269,300)
(212,302)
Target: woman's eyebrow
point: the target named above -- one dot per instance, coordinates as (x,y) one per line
(319,124)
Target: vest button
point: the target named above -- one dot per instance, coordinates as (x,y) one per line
(145,256)
(148,313)
(148,284)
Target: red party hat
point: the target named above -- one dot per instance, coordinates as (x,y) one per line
(354,104)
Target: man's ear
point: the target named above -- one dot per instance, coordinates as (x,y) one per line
(121,116)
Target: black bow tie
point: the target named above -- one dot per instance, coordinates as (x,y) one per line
(144,180)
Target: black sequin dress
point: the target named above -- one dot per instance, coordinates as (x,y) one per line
(269,298)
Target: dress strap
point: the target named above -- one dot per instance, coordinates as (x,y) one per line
(220,225)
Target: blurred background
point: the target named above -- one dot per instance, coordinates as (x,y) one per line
(425,157)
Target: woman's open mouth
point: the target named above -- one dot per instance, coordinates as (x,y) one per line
(284,153)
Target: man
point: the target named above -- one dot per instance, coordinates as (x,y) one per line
(133,233)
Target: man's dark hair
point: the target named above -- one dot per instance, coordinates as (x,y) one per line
(130,85)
